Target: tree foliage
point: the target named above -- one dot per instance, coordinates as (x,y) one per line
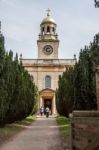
(64,94)
(18,94)
(77,87)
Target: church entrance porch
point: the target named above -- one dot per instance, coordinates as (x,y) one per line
(47,99)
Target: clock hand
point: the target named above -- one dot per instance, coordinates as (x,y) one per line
(48,49)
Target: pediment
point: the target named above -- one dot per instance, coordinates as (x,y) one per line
(47,90)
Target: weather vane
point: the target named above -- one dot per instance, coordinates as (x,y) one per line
(96,3)
(48,12)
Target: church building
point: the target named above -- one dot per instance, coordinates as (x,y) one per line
(45,70)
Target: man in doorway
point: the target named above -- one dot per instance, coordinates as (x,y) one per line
(47,111)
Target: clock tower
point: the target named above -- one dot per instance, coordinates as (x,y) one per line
(48,42)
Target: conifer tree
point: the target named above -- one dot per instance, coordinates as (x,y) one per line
(18,93)
(3,91)
(77,87)
(65,93)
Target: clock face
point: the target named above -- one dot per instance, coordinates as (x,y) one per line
(48,49)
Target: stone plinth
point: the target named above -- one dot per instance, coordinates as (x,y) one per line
(84,130)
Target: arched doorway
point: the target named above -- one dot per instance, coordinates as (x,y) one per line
(47,99)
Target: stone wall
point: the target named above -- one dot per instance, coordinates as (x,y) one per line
(84,132)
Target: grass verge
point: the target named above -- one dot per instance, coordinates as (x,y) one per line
(63,124)
(11,130)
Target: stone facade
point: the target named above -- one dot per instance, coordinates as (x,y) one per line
(46,69)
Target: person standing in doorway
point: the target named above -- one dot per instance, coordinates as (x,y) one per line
(47,111)
(41,111)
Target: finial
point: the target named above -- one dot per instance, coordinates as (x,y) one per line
(48,12)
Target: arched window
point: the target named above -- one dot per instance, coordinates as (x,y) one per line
(48,29)
(47,82)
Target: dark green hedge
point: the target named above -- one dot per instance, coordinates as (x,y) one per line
(18,93)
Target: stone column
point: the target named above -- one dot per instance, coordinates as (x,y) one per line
(97,86)
(54,106)
(40,101)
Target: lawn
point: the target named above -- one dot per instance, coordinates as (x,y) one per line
(63,123)
(12,129)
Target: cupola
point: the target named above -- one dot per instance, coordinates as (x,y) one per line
(48,28)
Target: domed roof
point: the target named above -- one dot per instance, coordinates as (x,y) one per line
(48,18)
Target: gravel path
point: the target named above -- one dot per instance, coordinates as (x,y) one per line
(43,134)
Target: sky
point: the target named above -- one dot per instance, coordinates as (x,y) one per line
(77,23)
